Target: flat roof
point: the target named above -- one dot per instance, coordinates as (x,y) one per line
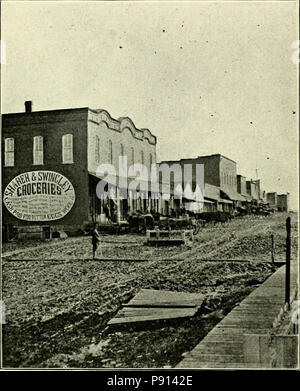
(195,158)
(46,111)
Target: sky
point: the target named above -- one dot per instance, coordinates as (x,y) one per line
(204,77)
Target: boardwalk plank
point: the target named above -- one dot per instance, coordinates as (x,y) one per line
(223,346)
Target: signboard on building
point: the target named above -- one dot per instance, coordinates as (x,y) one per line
(39,196)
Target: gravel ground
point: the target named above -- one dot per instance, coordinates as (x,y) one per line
(59,301)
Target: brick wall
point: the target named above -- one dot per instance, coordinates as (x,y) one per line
(283,202)
(52,125)
(272,199)
(241,185)
(227,174)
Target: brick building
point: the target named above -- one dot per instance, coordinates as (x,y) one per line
(272,199)
(219,179)
(64,148)
(242,188)
(253,190)
(283,202)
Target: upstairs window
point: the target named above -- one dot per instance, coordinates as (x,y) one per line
(132,155)
(9,159)
(67,149)
(142,157)
(97,149)
(223,176)
(122,150)
(38,152)
(150,160)
(110,152)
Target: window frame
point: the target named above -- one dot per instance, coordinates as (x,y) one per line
(142,157)
(65,148)
(122,150)
(9,153)
(36,151)
(97,149)
(110,152)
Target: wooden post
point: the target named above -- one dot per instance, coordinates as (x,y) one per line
(288,262)
(272,249)
(118,205)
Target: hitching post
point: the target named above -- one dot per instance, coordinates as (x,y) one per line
(288,262)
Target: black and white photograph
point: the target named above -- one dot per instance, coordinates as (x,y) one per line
(149,182)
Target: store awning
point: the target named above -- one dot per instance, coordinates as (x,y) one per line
(223,201)
(208,201)
(247,198)
(232,195)
(125,182)
(211,192)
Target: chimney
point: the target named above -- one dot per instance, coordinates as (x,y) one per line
(28,106)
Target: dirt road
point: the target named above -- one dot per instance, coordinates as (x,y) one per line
(58,301)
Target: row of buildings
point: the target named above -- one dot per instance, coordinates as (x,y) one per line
(49,166)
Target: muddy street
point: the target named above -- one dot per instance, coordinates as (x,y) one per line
(58,300)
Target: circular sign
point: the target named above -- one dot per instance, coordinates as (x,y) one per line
(39,196)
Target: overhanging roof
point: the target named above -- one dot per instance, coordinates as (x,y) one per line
(233,195)
(211,192)
(223,201)
(124,180)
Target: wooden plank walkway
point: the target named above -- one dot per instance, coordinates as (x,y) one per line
(151,305)
(223,345)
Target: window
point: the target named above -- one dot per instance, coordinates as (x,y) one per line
(67,148)
(132,155)
(142,157)
(110,152)
(38,151)
(151,160)
(97,149)
(9,152)
(122,150)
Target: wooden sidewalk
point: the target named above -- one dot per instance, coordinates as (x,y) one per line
(223,345)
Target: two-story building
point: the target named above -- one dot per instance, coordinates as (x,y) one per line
(220,183)
(49,167)
(272,199)
(283,202)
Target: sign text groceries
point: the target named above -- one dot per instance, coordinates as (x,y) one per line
(39,182)
(39,196)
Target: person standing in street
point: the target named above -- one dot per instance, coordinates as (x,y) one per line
(95,240)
